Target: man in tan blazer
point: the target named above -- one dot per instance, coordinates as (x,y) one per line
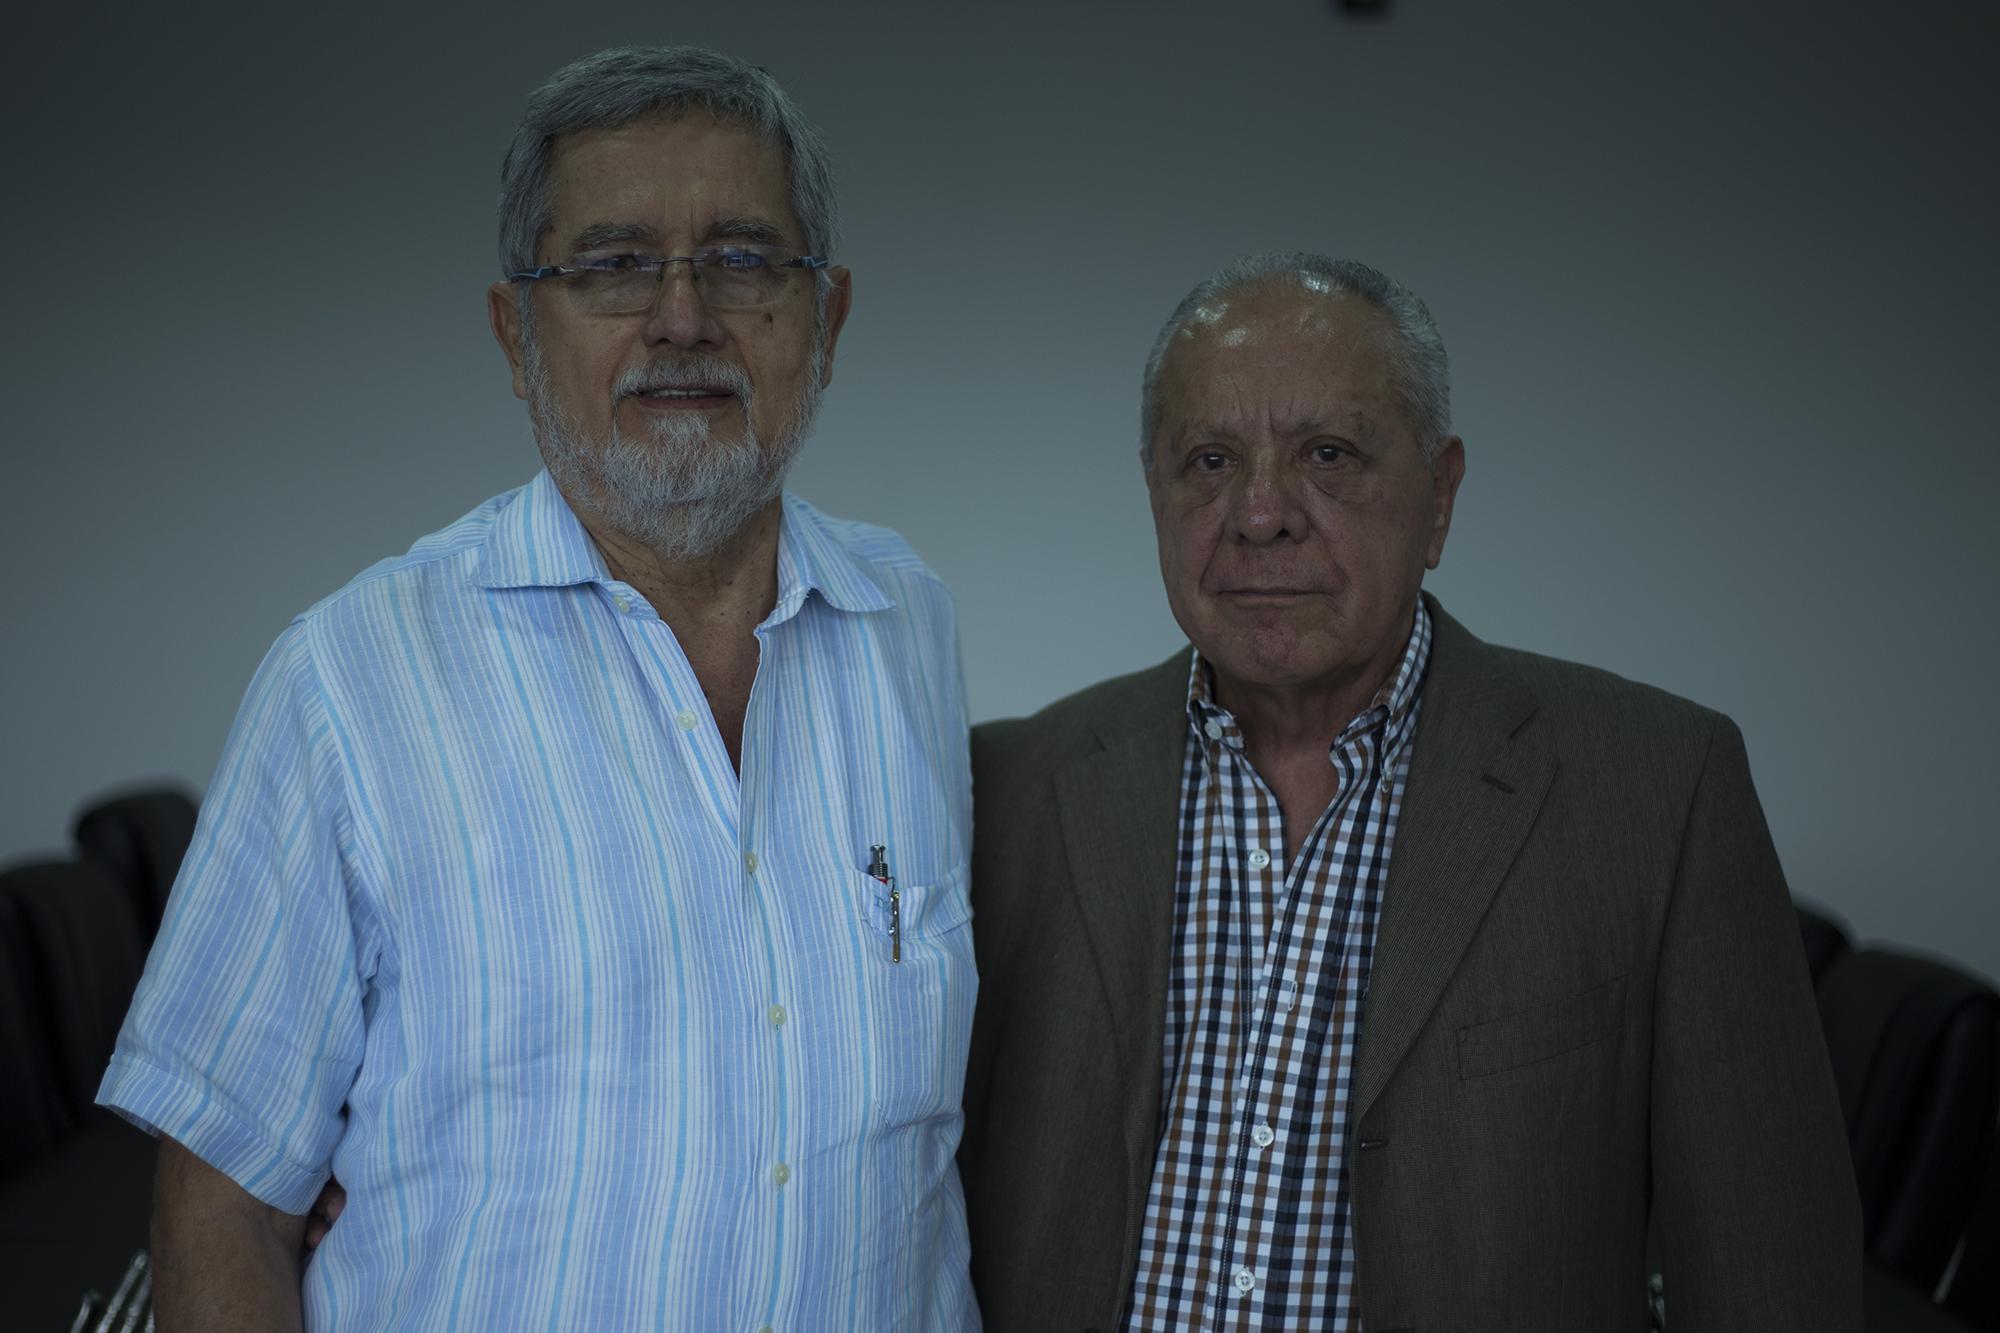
(1428,1036)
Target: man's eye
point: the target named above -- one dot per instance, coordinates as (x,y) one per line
(1328,453)
(1209,460)
(730,257)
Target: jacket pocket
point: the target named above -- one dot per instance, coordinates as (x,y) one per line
(1541,1033)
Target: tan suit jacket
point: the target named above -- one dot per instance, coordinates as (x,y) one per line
(1589,1009)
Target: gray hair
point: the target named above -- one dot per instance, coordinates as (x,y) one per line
(1419,374)
(618,86)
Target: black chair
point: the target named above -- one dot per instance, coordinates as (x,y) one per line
(1913,1044)
(74,1199)
(1974,1293)
(140,838)
(35,1112)
(82,952)
(1824,936)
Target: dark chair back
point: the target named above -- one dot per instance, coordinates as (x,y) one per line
(35,1111)
(140,838)
(1974,1294)
(1824,936)
(82,953)
(1913,1046)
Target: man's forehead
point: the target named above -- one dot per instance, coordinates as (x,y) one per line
(1298,405)
(1292,356)
(1317,320)
(672,173)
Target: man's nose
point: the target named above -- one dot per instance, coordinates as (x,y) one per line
(1266,506)
(678,315)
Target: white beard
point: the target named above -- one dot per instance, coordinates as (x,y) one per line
(678,490)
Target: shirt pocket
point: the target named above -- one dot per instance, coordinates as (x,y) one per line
(1543,1032)
(920,1004)
(920,912)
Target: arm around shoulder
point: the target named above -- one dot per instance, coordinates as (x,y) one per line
(1754,1199)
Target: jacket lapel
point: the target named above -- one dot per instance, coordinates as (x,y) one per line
(1119,808)
(1475,788)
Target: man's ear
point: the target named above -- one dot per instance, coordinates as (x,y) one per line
(839,300)
(503,312)
(1447,470)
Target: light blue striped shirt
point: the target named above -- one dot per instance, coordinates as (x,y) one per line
(480,918)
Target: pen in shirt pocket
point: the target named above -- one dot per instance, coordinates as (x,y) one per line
(878,866)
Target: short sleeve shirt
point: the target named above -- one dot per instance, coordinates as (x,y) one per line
(480,918)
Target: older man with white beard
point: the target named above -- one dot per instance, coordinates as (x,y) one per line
(617,993)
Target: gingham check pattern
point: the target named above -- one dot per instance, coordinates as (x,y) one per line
(1247,1219)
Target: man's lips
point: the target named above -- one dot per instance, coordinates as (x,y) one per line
(1273,592)
(695,398)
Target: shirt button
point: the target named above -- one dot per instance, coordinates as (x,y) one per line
(1259,858)
(1245,1280)
(750,862)
(684,719)
(780,1174)
(1214,730)
(777,1015)
(623,603)
(1262,1136)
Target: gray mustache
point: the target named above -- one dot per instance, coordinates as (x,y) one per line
(691,372)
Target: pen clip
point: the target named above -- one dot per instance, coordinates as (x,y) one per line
(878,866)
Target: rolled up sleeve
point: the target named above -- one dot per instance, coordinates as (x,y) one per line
(246,1031)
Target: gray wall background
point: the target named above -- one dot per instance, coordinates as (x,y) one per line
(1718,281)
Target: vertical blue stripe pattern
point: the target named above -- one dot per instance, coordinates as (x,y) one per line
(481,919)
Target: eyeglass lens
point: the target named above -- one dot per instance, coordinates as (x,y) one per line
(721,286)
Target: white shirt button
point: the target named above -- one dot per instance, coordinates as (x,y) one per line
(750,862)
(777,1015)
(685,719)
(1245,1280)
(1263,1135)
(623,603)
(765,1329)
(780,1174)
(1259,858)
(1214,730)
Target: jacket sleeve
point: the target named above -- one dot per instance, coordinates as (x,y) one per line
(1754,1201)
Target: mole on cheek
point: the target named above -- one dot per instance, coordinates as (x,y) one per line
(769,318)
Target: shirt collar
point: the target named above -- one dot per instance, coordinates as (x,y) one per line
(1393,704)
(811,558)
(537,542)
